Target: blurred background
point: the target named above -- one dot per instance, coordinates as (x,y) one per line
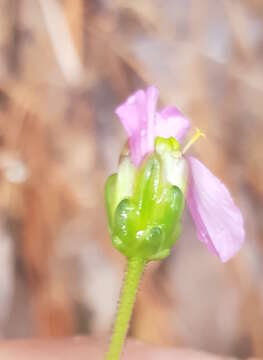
(64,67)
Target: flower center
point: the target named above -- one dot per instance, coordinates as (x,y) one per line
(198,133)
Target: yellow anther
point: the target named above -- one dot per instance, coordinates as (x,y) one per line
(198,133)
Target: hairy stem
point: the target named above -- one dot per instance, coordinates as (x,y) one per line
(133,275)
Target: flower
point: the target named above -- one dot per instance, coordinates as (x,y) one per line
(219,223)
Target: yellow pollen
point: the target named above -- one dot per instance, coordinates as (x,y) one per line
(198,133)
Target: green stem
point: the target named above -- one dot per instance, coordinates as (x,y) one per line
(133,275)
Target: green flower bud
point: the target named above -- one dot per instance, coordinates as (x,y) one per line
(145,204)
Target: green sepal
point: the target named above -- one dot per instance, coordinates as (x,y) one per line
(145,214)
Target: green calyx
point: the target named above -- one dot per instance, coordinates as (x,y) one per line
(144,209)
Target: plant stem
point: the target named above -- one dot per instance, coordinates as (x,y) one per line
(133,275)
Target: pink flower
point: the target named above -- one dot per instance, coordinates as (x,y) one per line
(218,221)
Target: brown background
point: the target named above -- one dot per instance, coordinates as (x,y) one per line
(64,67)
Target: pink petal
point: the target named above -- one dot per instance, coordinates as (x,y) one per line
(142,123)
(172,123)
(218,221)
(137,116)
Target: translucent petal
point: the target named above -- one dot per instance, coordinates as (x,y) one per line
(218,221)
